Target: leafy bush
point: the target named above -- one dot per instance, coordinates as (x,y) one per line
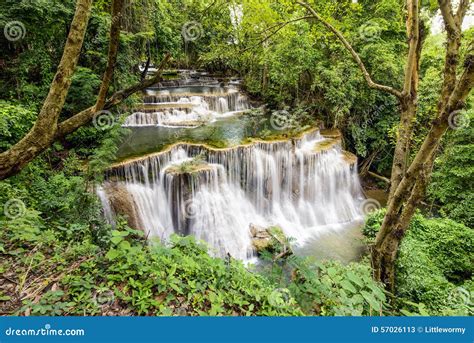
(435,258)
(130,278)
(325,287)
(453,175)
(15,121)
(372,223)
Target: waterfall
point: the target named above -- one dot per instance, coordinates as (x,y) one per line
(188,106)
(215,194)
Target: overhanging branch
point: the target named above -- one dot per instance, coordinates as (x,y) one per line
(354,54)
(73,123)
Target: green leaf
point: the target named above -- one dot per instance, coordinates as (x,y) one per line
(371,300)
(112,254)
(355,279)
(116,233)
(378,292)
(116,239)
(332,272)
(406,313)
(348,286)
(125,245)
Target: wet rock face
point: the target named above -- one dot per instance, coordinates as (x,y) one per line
(123,204)
(261,238)
(182,181)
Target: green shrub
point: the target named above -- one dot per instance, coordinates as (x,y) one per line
(130,277)
(435,256)
(325,287)
(15,122)
(451,188)
(372,223)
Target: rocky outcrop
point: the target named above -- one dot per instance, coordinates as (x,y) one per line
(267,238)
(121,203)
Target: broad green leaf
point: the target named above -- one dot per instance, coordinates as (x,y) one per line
(371,300)
(348,286)
(355,279)
(112,254)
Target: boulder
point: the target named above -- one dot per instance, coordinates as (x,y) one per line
(266,238)
(122,203)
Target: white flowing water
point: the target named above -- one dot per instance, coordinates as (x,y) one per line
(168,107)
(284,183)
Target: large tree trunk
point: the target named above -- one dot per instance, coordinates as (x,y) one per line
(402,205)
(42,134)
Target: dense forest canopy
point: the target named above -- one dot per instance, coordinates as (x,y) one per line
(385,74)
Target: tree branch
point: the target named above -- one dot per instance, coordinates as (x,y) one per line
(413,29)
(281,25)
(42,133)
(462,9)
(354,54)
(446,9)
(117,6)
(73,123)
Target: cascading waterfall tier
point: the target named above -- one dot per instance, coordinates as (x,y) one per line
(304,185)
(189,106)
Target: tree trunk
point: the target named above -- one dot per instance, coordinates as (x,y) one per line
(408,185)
(42,134)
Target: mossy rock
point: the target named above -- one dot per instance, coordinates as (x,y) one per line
(325,145)
(189,167)
(331,133)
(349,157)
